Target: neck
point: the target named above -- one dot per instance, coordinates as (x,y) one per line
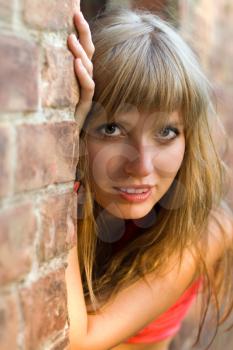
(111,228)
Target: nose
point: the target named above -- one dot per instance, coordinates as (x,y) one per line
(140,164)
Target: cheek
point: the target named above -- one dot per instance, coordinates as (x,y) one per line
(169,159)
(96,159)
(105,162)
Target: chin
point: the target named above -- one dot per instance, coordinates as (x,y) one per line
(130,212)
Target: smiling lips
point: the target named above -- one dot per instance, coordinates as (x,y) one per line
(135,193)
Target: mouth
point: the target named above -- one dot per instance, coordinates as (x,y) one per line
(134,193)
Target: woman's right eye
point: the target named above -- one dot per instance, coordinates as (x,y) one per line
(109,130)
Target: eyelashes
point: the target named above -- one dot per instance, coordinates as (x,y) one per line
(114,130)
(174,132)
(109,128)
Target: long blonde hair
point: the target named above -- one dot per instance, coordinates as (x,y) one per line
(141,61)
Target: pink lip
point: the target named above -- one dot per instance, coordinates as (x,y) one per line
(135,186)
(135,197)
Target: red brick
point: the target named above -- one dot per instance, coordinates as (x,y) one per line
(9,322)
(59,227)
(17,232)
(44,308)
(47,153)
(5,153)
(221,65)
(18,74)
(198,27)
(49,15)
(208,27)
(225,106)
(6,10)
(151,5)
(60,88)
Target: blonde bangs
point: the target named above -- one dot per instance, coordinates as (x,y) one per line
(144,70)
(141,62)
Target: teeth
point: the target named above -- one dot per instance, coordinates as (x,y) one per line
(133,190)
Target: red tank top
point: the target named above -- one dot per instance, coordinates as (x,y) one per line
(169,323)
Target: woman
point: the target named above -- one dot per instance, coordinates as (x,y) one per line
(152,224)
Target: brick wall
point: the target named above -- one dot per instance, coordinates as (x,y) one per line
(39,150)
(208,26)
(38,156)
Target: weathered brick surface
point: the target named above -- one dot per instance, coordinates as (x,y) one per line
(18,74)
(37,228)
(49,15)
(210,33)
(197,24)
(221,68)
(58,215)
(44,308)
(17,232)
(6,10)
(151,5)
(5,153)
(222,65)
(208,27)
(47,153)
(60,88)
(9,322)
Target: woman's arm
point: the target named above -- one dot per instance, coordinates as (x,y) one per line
(131,310)
(77,311)
(137,305)
(82,50)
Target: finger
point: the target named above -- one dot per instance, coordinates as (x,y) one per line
(84,34)
(86,82)
(86,91)
(78,52)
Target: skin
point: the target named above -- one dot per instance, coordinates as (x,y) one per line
(150,158)
(135,151)
(139,158)
(139,155)
(162,345)
(150,161)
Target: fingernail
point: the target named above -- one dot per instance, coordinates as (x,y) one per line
(82,19)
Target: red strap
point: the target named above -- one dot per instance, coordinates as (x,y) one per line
(76,186)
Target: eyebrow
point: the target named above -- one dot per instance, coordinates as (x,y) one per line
(158,123)
(175,122)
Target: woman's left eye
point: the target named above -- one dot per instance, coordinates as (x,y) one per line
(168,133)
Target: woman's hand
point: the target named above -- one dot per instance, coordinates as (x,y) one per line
(82,50)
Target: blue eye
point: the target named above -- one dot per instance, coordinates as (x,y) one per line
(168,133)
(109,130)
(112,130)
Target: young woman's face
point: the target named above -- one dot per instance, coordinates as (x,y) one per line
(134,160)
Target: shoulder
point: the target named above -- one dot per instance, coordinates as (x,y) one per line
(219,235)
(220,226)
(216,240)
